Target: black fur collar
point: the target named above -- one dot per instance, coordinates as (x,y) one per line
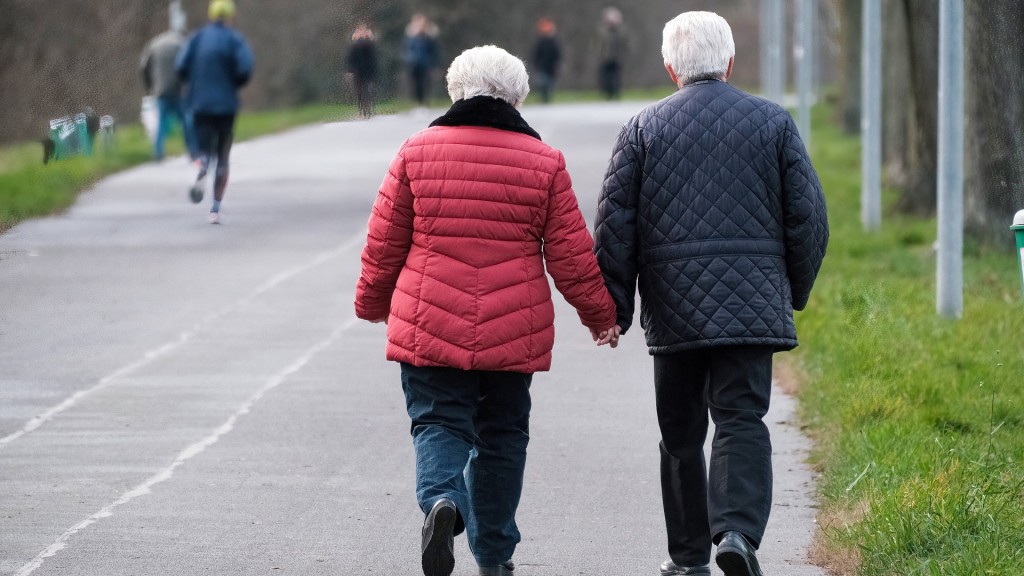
(488,112)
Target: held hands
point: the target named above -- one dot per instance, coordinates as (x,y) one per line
(610,336)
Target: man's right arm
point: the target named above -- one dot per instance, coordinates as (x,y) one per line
(615,231)
(804,216)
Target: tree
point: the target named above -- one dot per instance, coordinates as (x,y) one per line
(994,127)
(918,195)
(896,87)
(850,39)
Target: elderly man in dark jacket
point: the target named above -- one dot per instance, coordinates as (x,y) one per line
(712,205)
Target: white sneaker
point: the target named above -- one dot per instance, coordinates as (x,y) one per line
(214,217)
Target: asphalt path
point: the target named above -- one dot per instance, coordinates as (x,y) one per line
(183,398)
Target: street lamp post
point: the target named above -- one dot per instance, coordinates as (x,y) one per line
(871,116)
(950,274)
(773,61)
(804,60)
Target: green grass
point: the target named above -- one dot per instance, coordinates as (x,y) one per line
(29,189)
(919,419)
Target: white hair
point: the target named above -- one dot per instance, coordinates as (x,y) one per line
(698,46)
(488,71)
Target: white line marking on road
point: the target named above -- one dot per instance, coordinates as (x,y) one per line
(156,353)
(186,454)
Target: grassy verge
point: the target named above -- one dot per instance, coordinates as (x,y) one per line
(29,189)
(919,419)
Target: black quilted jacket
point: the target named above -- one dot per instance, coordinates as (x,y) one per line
(712,203)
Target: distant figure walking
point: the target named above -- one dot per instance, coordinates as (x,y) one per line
(420,55)
(161,81)
(711,206)
(547,53)
(474,213)
(362,65)
(216,63)
(612,45)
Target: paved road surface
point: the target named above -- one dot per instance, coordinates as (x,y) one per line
(181,398)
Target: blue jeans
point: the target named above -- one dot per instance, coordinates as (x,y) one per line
(169,108)
(470,430)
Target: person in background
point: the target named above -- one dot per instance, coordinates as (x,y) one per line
(712,207)
(363,67)
(161,81)
(215,63)
(611,50)
(474,213)
(420,55)
(547,53)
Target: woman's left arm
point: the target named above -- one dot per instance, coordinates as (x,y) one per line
(569,256)
(388,238)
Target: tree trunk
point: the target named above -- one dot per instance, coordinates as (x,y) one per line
(850,38)
(896,87)
(994,127)
(923,35)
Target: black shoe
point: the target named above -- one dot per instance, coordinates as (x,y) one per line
(195,193)
(669,568)
(439,539)
(736,556)
(501,570)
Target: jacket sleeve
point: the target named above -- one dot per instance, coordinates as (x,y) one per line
(569,255)
(243,62)
(615,229)
(805,220)
(144,67)
(388,239)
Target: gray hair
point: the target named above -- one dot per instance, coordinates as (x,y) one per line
(698,46)
(488,71)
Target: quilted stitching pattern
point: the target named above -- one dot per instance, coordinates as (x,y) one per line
(712,208)
(463,227)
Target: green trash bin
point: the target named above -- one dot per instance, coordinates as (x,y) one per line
(1018,229)
(70,136)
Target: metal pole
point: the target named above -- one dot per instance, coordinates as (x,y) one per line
(766,48)
(804,60)
(950,280)
(779,18)
(773,63)
(871,117)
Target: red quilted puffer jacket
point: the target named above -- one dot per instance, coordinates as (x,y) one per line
(465,221)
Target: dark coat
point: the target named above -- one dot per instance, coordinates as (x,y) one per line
(216,62)
(546,55)
(712,204)
(362,60)
(419,52)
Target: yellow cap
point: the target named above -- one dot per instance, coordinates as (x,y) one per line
(222,10)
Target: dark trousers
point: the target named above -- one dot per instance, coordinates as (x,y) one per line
(470,429)
(214,136)
(733,493)
(610,79)
(419,77)
(365,96)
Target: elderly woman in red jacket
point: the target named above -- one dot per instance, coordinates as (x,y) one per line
(469,214)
